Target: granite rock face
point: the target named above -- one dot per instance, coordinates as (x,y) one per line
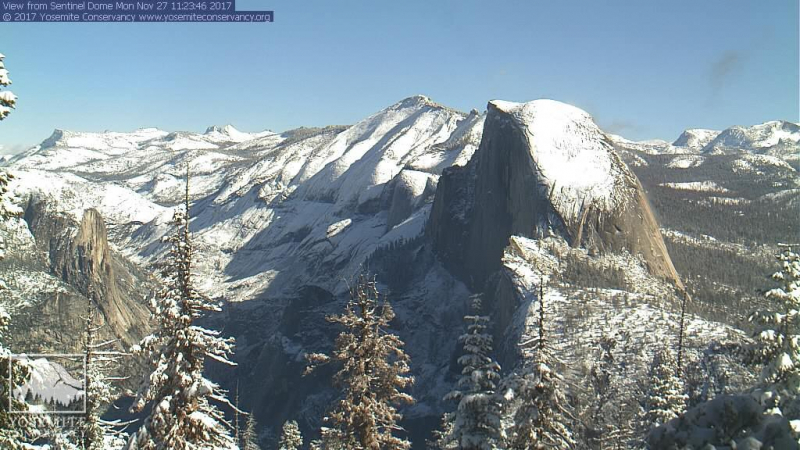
(543,168)
(80,256)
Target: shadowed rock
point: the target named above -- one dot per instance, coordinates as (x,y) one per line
(79,254)
(542,168)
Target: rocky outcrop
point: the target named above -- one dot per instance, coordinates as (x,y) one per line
(695,139)
(80,256)
(407,192)
(543,168)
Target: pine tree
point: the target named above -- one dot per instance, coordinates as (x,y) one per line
(8,210)
(477,422)
(441,436)
(7,98)
(182,416)
(603,418)
(249,440)
(10,432)
(237,433)
(291,438)
(777,336)
(96,433)
(60,439)
(681,333)
(542,418)
(666,399)
(374,372)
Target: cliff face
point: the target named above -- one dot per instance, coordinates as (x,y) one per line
(80,256)
(543,168)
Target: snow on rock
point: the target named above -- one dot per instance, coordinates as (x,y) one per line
(229,133)
(750,163)
(695,138)
(456,150)
(149,161)
(408,191)
(68,149)
(350,170)
(685,161)
(569,151)
(186,141)
(776,138)
(649,147)
(337,227)
(543,167)
(73,195)
(700,186)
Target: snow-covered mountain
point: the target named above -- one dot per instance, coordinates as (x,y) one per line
(439,204)
(543,168)
(695,138)
(776,138)
(779,139)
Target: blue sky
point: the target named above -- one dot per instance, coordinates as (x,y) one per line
(643,69)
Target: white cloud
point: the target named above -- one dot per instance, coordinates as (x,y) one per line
(12,149)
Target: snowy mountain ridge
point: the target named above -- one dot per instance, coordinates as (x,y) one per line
(774,138)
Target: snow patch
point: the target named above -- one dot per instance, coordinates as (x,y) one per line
(338,227)
(701,186)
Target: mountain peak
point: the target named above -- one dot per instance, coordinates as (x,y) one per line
(542,108)
(542,167)
(57,136)
(227,133)
(568,148)
(421,101)
(695,138)
(416,99)
(777,138)
(225,129)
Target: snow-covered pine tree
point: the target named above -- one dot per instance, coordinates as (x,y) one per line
(8,210)
(249,439)
(7,98)
(10,432)
(666,399)
(291,438)
(681,332)
(375,370)
(237,432)
(477,422)
(777,337)
(602,421)
(96,433)
(182,416)
(58,438)
(543,415)
(440,437)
